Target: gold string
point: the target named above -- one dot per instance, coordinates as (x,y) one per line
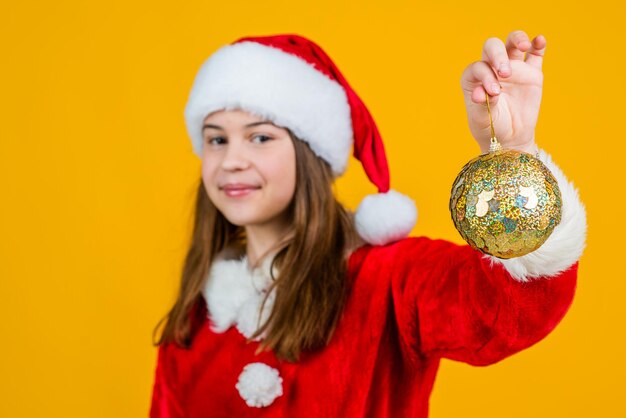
(495,145)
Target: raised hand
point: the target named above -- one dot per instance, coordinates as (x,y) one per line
(511,75)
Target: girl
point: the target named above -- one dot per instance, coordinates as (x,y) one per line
(292,306)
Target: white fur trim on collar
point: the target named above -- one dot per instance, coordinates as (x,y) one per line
(233,294)
(566,243)
(278,86)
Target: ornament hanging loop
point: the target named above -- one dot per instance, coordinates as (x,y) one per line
(495,145)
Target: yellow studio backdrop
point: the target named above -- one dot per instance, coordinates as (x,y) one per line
(97,181)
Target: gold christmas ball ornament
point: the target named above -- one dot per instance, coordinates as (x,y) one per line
(505,203)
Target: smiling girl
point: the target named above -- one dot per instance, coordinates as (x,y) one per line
(290,305)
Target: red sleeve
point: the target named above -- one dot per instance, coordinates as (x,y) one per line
(454,301)
(468,309)
(165,402)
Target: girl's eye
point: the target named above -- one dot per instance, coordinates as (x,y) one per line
(215,140)
(264,138)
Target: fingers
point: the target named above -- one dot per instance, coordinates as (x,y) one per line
(516,44)
(479,77)
(494,52)
(534,56)
(499,55)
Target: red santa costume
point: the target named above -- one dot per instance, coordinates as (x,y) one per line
(412,300)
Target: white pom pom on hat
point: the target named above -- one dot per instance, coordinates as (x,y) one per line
(291,81)
(385,217)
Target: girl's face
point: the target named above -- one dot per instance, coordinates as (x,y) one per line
(248,168)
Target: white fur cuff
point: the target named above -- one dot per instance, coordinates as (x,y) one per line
(566,243)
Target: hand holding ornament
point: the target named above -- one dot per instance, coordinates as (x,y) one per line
(505,202)
(516,67)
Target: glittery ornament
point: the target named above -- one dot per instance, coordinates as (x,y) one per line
(505,203)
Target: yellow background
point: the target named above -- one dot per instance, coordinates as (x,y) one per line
(97,180)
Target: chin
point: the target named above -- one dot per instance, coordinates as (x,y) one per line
(240,220)
(235,220)
(244,221)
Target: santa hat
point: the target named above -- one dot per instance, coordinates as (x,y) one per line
(290,80)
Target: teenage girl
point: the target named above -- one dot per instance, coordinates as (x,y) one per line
(292,306)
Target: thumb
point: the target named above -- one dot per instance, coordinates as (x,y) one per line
(479,96)
(477,79)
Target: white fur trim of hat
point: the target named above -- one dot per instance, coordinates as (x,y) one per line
(277,86)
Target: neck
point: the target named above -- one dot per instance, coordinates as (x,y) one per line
(263,239)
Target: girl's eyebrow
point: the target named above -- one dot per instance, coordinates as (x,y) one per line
(265,122)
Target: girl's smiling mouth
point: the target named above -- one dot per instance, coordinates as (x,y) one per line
(238,189)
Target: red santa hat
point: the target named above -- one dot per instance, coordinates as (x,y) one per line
(291,81)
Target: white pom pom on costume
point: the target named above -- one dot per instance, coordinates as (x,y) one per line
(259,384)
(385,217)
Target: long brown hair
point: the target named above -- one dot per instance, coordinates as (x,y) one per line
(311,287)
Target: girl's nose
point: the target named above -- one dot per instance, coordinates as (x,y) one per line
(235,157)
